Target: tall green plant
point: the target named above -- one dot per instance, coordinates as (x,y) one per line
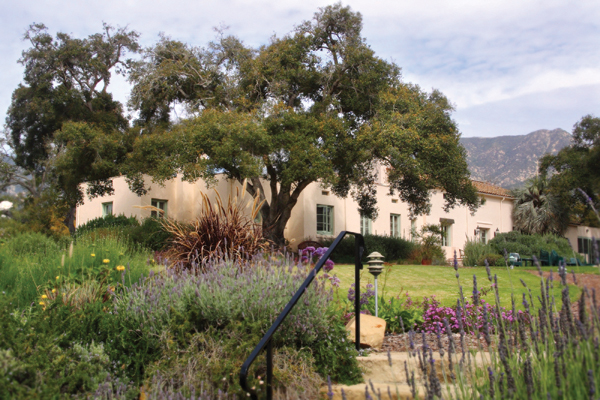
(474,250)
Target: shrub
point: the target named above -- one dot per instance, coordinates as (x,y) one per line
(179,372)
(474,251)
(492,259)
(109,221)
(220,230)
(40,359)
(150,234)
(391,248)
(31,243)
(242,295)
(528,245)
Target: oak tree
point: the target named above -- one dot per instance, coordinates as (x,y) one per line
(65,80)
(316,105)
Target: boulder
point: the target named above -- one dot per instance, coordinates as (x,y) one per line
(372,331)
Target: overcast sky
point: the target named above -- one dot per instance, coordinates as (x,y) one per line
(510,67)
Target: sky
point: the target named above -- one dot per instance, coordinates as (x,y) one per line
(510,67)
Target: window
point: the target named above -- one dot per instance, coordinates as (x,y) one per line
(413,230)
(483,235)
(324,220)
(161,205)
(446,225)
(446,234)
(584,246)
(107,208)
(366,225)
(395,225)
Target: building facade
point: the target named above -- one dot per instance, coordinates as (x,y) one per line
(319,214)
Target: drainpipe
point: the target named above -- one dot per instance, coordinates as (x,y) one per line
(501,215)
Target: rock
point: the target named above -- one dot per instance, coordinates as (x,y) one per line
(372,331)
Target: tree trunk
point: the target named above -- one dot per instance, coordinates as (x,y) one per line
(70,220)
(275,231)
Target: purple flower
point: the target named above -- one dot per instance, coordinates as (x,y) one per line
(328,265)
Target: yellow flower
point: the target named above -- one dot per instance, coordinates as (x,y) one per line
(120,268)
(57,277)
(42,303)
(53,290)
(106,261)
(93,255)
(44,296)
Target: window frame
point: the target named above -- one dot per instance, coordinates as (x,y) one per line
(395,224)
(105,206)
(446,235)
(327,220)
(157,203)
(483,236)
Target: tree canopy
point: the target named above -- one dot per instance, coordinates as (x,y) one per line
(316,105)
(577,167)
(65,84)
(537,210)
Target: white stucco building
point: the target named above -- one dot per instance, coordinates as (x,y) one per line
(319,214)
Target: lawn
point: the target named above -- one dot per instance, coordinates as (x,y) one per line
(424,281)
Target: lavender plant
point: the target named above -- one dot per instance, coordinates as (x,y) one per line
(223,291)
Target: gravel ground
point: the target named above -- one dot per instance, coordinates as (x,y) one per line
(401,342)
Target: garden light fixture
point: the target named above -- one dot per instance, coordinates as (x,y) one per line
(375,268)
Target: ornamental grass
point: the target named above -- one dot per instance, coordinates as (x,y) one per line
(221,229)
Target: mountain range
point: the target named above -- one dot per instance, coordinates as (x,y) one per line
(508,161)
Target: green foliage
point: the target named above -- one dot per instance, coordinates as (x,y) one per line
(65,80)
(304,108)
(30,263)
(150,234)
(576,167)
(391,248)
(399,316)
(109,221)
(528,245)
(429,246)
(40,359)
(494,259)
(474,251)
(335,355)
(31,242)
(537,210)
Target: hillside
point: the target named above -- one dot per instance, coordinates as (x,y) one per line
(509,161)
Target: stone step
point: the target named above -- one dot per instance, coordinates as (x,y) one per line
(377,372)
(358,392)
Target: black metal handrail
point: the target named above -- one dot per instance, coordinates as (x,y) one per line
(359,248)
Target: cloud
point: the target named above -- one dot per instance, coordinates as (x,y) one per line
(481,54)
(558,108)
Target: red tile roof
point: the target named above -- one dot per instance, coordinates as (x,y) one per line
(488,188)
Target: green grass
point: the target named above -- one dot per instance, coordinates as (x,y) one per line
(424,281)
(29,263)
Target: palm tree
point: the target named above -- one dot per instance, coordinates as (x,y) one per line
(536,210)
